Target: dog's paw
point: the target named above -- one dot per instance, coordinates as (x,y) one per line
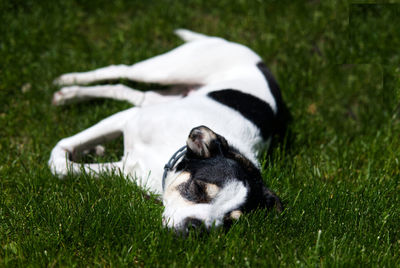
(58,162)
(65,94)
(65,80)
(57,98)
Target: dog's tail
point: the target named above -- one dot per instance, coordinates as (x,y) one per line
(188,36)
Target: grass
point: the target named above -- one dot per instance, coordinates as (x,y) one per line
(339,178)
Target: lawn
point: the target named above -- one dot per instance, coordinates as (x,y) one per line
(337,174)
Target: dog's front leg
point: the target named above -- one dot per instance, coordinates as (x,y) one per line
(60,160)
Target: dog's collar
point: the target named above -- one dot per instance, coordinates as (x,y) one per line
(171,163)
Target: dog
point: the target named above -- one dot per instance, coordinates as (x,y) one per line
(196,150)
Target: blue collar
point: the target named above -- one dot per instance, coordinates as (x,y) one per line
(171,163)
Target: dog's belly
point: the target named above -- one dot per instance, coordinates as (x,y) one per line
(154,133)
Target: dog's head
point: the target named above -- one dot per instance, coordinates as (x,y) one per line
(212,185)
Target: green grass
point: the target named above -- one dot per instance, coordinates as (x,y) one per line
(339,178)
(374,33)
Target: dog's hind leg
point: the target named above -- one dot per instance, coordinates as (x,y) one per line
(201,61)
(112,72)
(118,92)
(110,128)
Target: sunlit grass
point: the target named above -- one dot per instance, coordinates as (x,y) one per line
(338,175)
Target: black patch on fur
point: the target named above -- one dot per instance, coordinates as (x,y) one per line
(252,108)
(282,117)
(273,85)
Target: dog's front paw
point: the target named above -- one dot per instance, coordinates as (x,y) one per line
(58,162)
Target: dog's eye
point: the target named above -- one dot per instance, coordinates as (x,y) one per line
(223,142)
(198,191)
(193,191)
(196,188)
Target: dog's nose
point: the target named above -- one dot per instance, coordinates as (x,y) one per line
(192,223)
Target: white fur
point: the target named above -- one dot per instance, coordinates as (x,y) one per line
(157,126)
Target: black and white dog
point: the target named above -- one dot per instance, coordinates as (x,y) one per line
(231,111)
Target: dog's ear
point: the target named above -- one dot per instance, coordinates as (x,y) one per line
(272,200)
(223,142)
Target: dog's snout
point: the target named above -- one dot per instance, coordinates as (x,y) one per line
(192,223)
